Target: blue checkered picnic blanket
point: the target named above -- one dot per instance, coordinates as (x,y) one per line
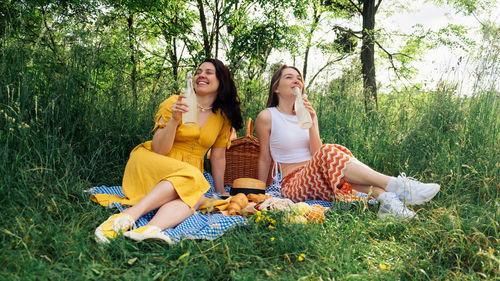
(198,226)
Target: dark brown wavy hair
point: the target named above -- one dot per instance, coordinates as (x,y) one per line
(273,99)
(227,95)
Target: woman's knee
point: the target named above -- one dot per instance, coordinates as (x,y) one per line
(167,185)
(167,190)
(328,148)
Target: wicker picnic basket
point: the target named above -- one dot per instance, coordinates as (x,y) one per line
(242,157)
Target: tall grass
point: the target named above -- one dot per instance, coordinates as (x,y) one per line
(65,130)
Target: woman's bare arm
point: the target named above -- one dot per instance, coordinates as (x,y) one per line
(263,131)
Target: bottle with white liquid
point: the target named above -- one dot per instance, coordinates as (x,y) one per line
(303,115)
(190,118)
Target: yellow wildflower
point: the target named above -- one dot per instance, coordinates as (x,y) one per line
(383,266)
(301,257)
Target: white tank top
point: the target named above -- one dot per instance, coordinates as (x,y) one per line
(288,143)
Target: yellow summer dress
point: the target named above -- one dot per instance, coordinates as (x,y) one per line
(183,166)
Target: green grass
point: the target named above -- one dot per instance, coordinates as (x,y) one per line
(48,223)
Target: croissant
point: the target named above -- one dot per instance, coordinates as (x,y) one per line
(237,202)
(257,198)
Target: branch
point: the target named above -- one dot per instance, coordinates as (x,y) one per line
(323,68)
(391,55)
(356,6)
(51,38)
(348,30)
(378,4)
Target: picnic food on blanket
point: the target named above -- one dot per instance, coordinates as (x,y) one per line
(236,203)
(275,203)
(249,209)
(248,185)
(317,214)
(301,208)
(294,218)
(311,213)
(257,198)
(211,205)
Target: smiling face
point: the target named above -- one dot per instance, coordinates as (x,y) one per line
(289,79)
(205,79)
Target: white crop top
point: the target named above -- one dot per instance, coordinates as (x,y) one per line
(288,143)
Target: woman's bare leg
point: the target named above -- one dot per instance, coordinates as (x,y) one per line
(359,173)
(161,194)
(173,213)
(375,191)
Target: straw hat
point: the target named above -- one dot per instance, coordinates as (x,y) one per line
(248,185)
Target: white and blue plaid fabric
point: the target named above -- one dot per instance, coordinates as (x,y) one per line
(198,226)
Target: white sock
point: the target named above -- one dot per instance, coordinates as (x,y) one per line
(392,185)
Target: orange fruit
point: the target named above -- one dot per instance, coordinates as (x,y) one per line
(317,214)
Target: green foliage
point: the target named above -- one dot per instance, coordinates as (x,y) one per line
(254,36)
(468,7)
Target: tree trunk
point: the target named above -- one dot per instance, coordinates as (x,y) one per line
(314,24)
(133,75)
(217,22)
(175,64)
(203,21)
(368,56)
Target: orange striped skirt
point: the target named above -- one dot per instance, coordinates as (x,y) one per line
(321,178)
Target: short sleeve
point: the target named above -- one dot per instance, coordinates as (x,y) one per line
(223,139)
(165,111)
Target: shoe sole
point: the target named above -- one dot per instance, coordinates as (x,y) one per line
(140,237)
(391,216)
(388,214)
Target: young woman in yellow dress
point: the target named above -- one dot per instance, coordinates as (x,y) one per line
(166,173)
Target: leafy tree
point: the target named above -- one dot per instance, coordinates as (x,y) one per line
(255,29)
(370,37)
(311,16)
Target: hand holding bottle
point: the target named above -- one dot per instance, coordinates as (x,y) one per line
(303,115)
(179,108)
(190,118)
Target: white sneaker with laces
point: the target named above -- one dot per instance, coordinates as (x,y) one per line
(391,206)
(411,191)
(147,232)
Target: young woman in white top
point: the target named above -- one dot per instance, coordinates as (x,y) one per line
(315,171)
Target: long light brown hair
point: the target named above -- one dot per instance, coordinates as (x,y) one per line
(273,99)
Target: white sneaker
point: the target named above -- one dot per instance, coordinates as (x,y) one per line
(147,232)
(391,206)
(411,191)
(112,226)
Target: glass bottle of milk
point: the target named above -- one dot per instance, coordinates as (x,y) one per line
(190,118)
(303,115)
